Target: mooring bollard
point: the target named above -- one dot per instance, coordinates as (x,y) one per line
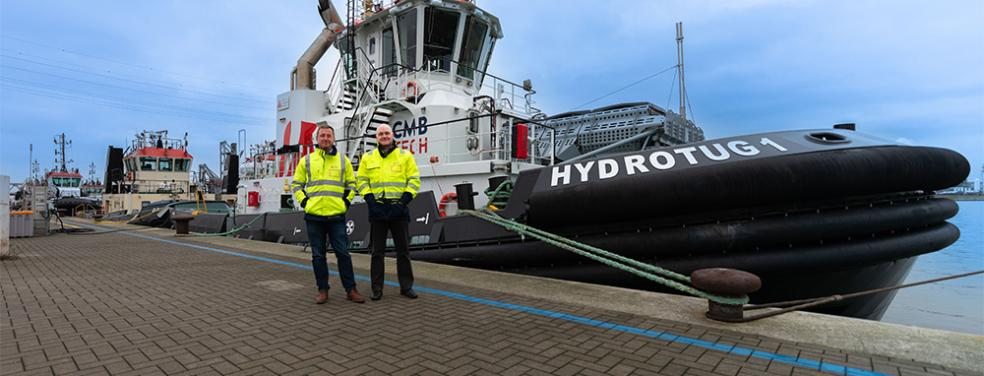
(731,283)
(181,223)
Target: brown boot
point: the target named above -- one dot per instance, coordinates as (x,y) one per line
(355,297)
(322,297)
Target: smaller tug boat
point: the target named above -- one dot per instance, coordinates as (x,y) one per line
(65,184)
(152,168)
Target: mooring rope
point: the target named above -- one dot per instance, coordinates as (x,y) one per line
(653,273)
(230,232)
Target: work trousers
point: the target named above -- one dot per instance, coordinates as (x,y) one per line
(400,229)
(333,229)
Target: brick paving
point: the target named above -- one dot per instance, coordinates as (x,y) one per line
(119,304)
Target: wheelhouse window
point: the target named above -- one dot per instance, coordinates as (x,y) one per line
(472,44)
(165,164)
(389,53)
(440,27)
(148,164)
(407,29)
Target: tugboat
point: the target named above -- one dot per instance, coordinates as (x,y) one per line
(812,212)
(65,184)
(153,168)
(92,187)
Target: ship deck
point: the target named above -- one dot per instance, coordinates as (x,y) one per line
(144,302)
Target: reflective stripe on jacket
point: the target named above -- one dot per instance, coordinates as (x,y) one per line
(388,178)
(324,180)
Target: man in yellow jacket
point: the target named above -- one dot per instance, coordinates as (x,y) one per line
(389,180)
(324,185)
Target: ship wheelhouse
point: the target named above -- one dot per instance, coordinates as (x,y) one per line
(452,40)
(62,179)
(156,164)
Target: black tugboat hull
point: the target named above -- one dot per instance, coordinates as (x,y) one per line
(842,255)
(814,213)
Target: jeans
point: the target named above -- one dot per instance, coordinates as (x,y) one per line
(401,236)
(333,229)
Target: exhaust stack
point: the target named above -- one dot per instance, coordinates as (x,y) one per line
(302,77)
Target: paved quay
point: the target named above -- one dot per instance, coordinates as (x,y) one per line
(145,302)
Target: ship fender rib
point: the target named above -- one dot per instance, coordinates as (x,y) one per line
(786,179)
(810,259)
(725,238)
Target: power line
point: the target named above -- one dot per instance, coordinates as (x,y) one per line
(132,81)
(121,107)
(669,95)
(693,117)
(36,43)
(108,102)
(625,87)
(128,88)
(29,84)
(99,70)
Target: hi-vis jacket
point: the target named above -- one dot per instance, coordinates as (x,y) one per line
(324,180)
(387,178)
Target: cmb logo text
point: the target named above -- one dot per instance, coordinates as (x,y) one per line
(656,161)
(409,134)
(409,128)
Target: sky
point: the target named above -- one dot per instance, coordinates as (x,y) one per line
(101,71)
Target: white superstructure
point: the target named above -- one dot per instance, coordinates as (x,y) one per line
(419,66)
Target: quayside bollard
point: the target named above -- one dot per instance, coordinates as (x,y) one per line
(181,223)
(730,283)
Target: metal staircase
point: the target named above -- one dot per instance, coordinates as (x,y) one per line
(361,94)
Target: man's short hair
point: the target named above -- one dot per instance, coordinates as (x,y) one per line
(325,126)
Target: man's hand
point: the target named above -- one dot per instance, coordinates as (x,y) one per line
(406,198)
(370,199)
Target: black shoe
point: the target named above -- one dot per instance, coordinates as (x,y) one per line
(376,295)
(409,293)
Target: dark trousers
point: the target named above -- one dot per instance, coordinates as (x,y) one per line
(400,229)
(334,229)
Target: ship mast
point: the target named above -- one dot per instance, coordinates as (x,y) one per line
(683,89)
(61,143)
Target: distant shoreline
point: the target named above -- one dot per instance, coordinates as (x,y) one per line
(970,197)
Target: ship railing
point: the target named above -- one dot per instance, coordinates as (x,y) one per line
(409,83)
(362,11)
(446,73)
(336,88)
(445,141)
(365,83)
(398,81)
(481,146)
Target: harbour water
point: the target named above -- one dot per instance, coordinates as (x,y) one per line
(956,305)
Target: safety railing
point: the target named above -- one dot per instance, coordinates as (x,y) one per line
(397,81)
(446,141)
(336,88)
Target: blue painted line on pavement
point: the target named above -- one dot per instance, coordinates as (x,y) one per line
(730,349)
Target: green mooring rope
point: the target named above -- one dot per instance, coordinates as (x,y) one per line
(647,271)
(500,196)
(230,232)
